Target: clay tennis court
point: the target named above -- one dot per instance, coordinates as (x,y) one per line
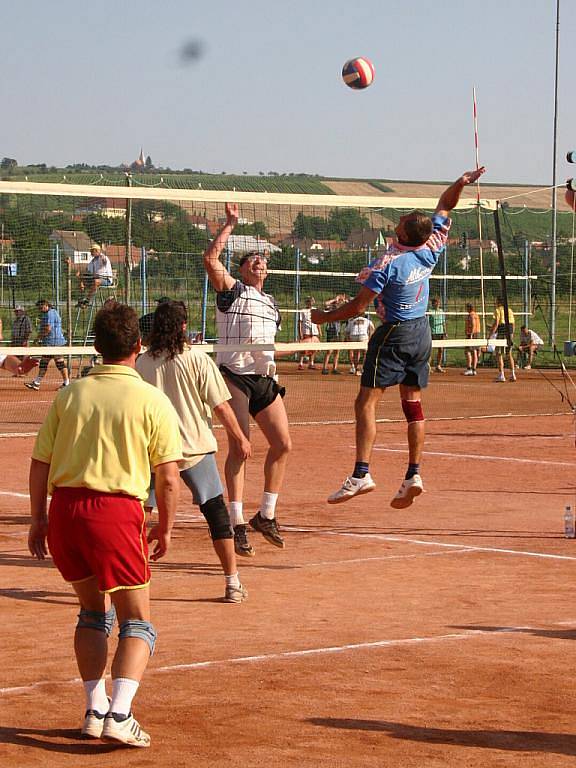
(441,635)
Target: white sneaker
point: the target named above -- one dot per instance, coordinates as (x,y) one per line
(407,492)
(513,377)
(352,370)
(235,594)
(527,367)
(500,377)
(352,486)
(358,371)
(125,729)
(93,724)
(469,372)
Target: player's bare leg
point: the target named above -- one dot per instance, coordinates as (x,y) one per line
(235,474)
(412,485)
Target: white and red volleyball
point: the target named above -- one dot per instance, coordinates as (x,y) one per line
(358,73)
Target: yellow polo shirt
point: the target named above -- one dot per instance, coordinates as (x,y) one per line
(105,431)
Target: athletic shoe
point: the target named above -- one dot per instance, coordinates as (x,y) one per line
(325,372)
(407,492)
(93,724)
(500,377)
(352,370)
(242,546)
(475,372)
(32,385)
(352,486)
(64,385)
(358,371)
(268,528)
(439,369)
(527,367)
(468,372)
(300,367)
(513,377)
(311,367)
(336,372)
(126,729)
(235,594)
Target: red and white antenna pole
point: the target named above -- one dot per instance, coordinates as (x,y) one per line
(478,211)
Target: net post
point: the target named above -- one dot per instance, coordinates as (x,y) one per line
(502,268)
(297,255)
(204,305)
(69,309)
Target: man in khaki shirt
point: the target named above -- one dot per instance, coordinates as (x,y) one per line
(196,387)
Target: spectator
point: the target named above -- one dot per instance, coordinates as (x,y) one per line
(307,331)
(358,329)
(146,322)
(503,328)
(50,335)
(21,327)
(472,331)
(98,273)
(333,334)
(437,320)
(530,343)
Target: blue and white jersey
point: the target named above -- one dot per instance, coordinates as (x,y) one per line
(401,275)
(55,337)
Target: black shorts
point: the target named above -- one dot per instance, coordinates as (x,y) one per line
(398,353)
(438,336)
(501,334)
(261,391)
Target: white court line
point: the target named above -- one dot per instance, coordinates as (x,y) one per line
(18,434)
(332,563)
(16,495)
(472,548)
(294,654)
(478,456)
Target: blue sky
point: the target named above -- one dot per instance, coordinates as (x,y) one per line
(92,82)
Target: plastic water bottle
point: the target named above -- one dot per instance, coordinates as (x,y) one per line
(569,524)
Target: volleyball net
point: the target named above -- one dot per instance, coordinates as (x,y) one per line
(317,243)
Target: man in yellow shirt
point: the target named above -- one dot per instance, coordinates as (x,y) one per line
(93,454)
(503,328)
(196,387)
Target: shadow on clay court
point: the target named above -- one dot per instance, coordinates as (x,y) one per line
(40,738)
(553,634)
(27,561)
(425,532)
(15,520)
(509,741)
(38,596)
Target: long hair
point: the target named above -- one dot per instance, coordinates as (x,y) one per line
(168,336)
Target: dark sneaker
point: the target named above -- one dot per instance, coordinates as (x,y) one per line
(32,385)
(242,546)
(268,529)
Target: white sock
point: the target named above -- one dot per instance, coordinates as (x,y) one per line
(123,691)
(268,505)
(235,511)
(233,580)
(96,698)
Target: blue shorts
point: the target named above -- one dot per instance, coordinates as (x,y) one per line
(203,480)
(398,353)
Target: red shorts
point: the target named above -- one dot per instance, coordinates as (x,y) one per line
(98,534)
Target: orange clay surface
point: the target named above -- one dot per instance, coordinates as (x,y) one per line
(441,635)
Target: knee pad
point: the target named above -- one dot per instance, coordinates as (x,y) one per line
(412,410)
(60,363)
(101,621)
(217,517)
(143,630)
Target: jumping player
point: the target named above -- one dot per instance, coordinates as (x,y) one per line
(93,454)
(247,315)
(399,350)
(196,388)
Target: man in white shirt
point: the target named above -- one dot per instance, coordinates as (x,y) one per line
(98,273)
(530,342)
(358,328)
(307,331)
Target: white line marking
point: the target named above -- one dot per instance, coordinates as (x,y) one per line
(296,654)
(384,537)
(13,493)
(384,557)
(479,456)
(18,434)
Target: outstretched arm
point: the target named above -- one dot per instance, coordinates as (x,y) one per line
(450,197)
(218,275)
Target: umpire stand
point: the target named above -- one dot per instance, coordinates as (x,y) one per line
(83,330)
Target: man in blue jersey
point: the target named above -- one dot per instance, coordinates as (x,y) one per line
(399,350)
(50,335)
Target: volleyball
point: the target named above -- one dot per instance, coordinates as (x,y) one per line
(570,195)
(358,73)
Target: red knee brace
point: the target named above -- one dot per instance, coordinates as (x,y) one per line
(412,410)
